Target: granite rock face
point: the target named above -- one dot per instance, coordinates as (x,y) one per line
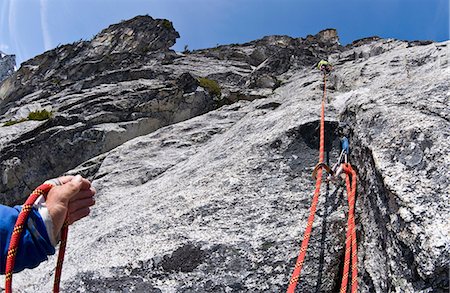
(7,65)
(218,202)
(124,83)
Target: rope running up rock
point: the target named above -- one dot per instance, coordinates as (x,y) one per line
(350,243)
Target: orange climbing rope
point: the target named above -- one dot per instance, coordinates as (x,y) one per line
(17,234)
(306,236)
(350,242)
(351,227)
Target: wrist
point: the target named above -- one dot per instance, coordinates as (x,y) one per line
(41,207)
(46,209)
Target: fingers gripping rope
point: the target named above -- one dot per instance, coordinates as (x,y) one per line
(17,235)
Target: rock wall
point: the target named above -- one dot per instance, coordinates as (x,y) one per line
(7,65)
(124,83)
(219,202)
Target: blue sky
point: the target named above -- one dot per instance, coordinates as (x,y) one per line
(30,27)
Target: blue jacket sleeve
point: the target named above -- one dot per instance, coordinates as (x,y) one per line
(34,245)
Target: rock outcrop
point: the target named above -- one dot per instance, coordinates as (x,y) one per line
(216,200)
(124,83)
(7,65)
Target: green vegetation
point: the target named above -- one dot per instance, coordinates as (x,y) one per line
(211,86)
(35,115)
(12,122)
(56,81)
(278,83)
(39,115)
(186,50)
(167,24)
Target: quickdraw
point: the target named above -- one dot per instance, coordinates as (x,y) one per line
(19,227)
(337,169)
(334,174)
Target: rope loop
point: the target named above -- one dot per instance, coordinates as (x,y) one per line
(17,234)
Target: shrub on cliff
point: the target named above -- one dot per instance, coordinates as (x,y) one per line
(211,86)
(39,115)
(167,24)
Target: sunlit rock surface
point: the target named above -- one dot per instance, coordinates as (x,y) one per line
(217,200)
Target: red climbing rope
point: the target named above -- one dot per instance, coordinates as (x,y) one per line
(351,244)
(17,234)
(307,235)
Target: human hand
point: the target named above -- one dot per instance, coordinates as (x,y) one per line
(72,199)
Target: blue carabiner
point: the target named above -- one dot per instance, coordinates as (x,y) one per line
(345,145)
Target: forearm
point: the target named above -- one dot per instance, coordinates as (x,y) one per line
(70,199)
(35,243)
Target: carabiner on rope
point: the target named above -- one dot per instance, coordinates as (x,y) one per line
(337,168)
(321,165)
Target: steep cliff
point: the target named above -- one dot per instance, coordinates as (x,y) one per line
(214,194)
(124,83)
(7,65)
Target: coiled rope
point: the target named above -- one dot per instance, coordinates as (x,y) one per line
(350,244)
(17,235)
